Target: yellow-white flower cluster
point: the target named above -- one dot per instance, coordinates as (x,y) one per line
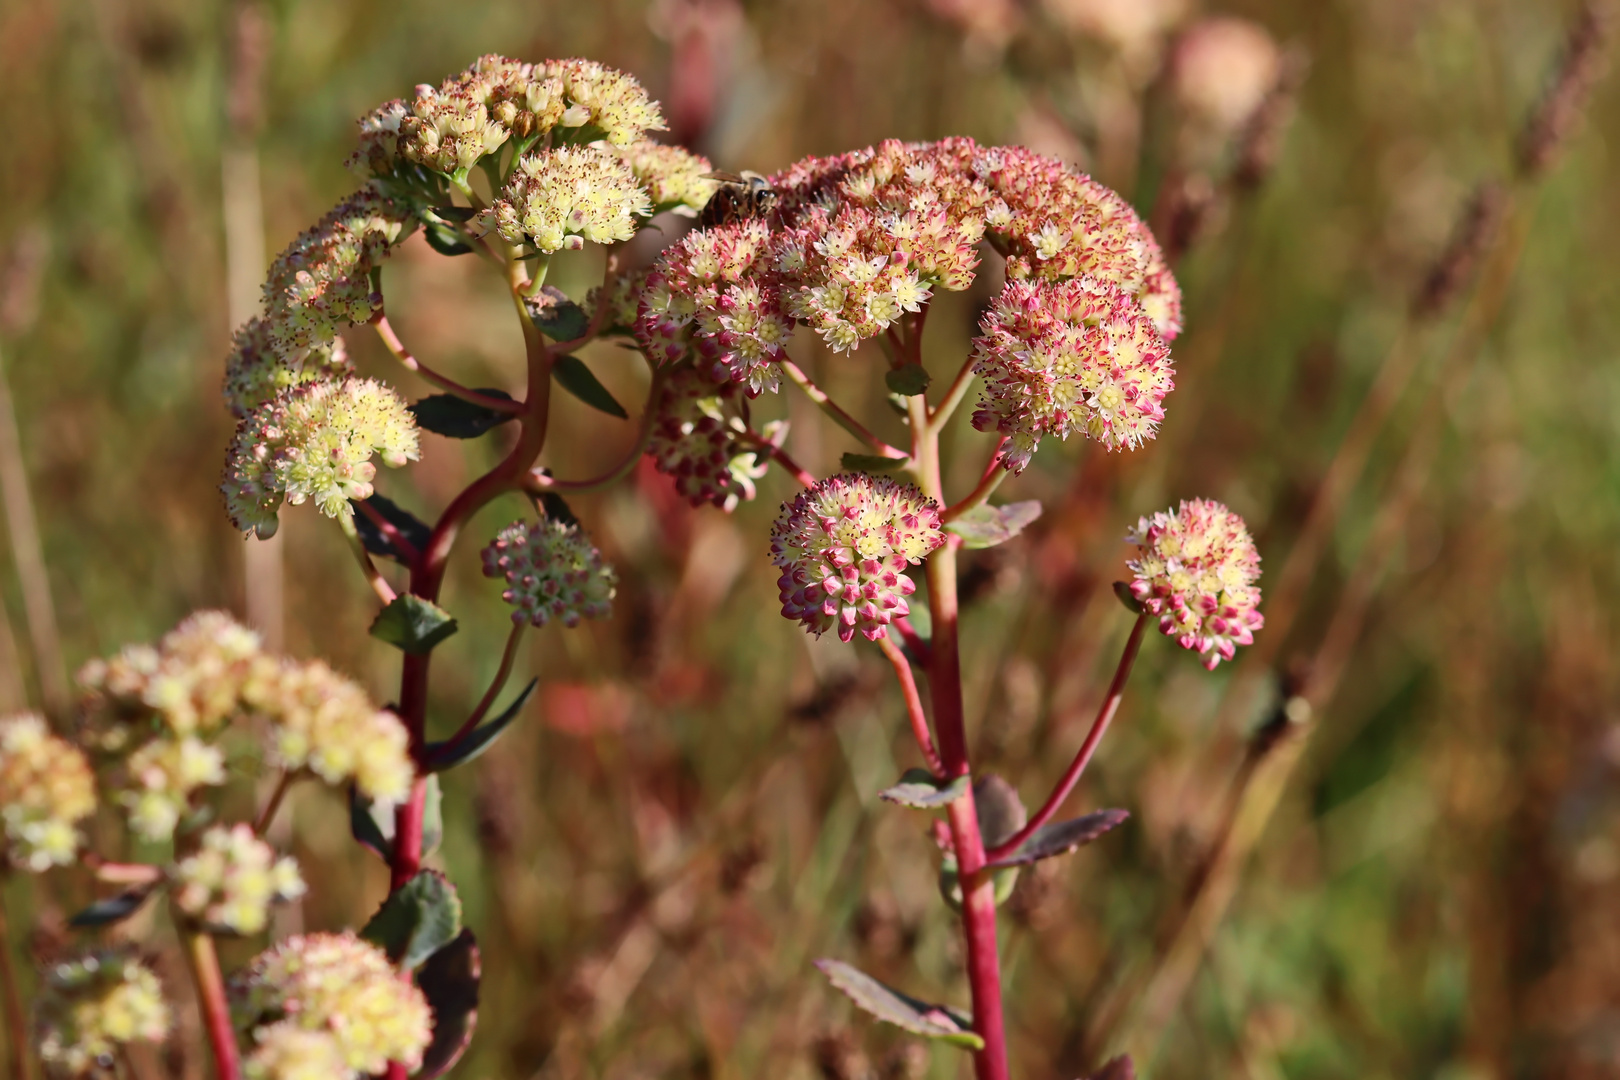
(91,1006)
(46,789)
(564,197)
(232,879)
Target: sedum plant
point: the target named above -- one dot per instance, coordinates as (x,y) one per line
(517,165)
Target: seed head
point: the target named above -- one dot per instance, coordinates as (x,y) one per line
(562,198)
(552,571)
(233,878)
(256,372)
(46,789)
(843,547)
(1196,570)
(1078,355)
(337,986)
(696,442)
(91,1006)
(314,441)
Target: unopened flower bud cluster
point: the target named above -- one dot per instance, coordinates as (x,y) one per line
(1196,569)
(46,790)
(91,1007)
(331,989)
(699,445)
(255,372)
(843,547)
(552,571)
(232,879)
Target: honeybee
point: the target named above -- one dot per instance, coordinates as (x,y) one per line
(740,196)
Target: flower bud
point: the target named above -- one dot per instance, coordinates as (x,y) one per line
(603,100)
(843,547)
(232,879)
(552,571)
(91,1006)
(696,443)
(46,789)
(1196,570)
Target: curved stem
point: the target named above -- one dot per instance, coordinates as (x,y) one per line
(914,706)
(391,340)
(537,483)
(1105,714)
(994,474)
(834,410)
(216,1014)
(502,673)
(268,814)
(941,414)
(403,547)
(780,456)
(374,578)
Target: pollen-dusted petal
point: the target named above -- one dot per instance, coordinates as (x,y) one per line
(552,572)
(852,536)
(1196,569)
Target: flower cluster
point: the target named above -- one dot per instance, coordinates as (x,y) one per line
(1196,570)
(565,197)
(91,1006)
(314,441)
(675,178)
(256,372)
(233,878)
(202,675)
(1078,355)
(338,989)
(552,572)
(322,282)
(450,127)
(844,546)
(46,789)
(712,295)
(1222,68)
(696,443)
(326,723)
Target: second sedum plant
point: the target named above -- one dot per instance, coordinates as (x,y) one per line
(518,164)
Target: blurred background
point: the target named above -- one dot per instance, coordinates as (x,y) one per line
(1384,842)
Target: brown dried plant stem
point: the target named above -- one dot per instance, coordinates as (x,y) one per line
(16,1020)
(203,960)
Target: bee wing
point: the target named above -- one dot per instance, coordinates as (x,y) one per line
(724,177)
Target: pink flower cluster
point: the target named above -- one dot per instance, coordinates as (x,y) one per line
(1076,355)
(843,547)
(697,443)
(1196,570)
(552,572)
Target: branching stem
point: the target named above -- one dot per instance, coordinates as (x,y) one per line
(502,673)
(836,411)
(914,705)
(391,340)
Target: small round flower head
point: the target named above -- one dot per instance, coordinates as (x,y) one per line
(552,572)
(713,294)
(1196,570)
(162,776)
(322,282)
(46,789)
(696,443)
(256,372)
(314,441)
(192,679)
(90,1007)
(1078,355)
(286,1051)
(601,102)
(676,179)
(844,546)
(1221,68)
(326,723)
(338,986)
(565,197)
(233,878)
(448,128)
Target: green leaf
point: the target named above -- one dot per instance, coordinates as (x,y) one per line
(449,980)
(458,418)
(870,463)
(922,790)
(574,377)
(413,625)
(457,214)
(372,823)
(558,317)
(445,240)
(113,909)
(1128,598)
(447,755)
(908,380)
(412,529)
(987,526)
(1000,811)
(1049,841)
(891,1006)
(417,920)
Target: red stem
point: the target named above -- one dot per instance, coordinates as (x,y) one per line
(216,1013)
(403,547)
(1105,714)
(508,657)
(914,706)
